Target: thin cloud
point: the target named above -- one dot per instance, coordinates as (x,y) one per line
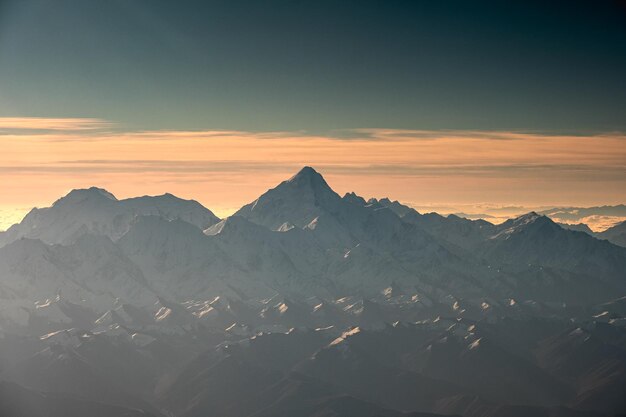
(28,124)
(225,168)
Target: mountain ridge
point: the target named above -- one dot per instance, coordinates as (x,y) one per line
(308,303)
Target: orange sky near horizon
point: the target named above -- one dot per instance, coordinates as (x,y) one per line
(42,159)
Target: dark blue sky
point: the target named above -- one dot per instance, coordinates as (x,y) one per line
(317,65)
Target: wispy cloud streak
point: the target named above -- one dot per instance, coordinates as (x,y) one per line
(228,168)
(28,124)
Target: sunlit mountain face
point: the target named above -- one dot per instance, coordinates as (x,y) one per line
(312,208)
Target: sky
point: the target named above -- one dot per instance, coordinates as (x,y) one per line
(446,102)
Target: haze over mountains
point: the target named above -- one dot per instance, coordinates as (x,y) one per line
(307,303)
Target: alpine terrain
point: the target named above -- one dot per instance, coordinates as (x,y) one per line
(306,303)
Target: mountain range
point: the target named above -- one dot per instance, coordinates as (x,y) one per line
(305,302)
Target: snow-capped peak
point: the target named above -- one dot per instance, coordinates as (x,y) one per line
(523,222)
(527,218)
(307,175)
(95,210)
(298,200)
(308,180)
(81,194)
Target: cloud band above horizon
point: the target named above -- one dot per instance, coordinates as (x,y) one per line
(43,158)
